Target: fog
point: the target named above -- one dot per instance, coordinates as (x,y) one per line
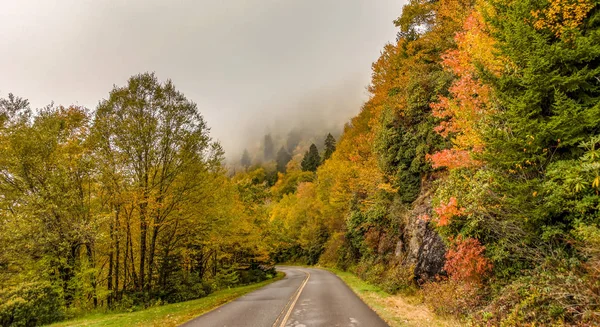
(253,67)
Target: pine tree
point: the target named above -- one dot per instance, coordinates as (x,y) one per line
(329,147)
(269,148)
(283,157)
(245,161)
(293,138)
(311,160)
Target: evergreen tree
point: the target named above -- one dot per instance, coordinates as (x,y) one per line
(311,159)
(329,147)
(550,108)
(283,157)
(294,137)
(245,161)
(269,148)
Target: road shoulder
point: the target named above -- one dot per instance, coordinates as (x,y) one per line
(396,310)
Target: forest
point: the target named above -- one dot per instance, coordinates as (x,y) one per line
(470,177)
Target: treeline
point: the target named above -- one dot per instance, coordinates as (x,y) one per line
(123,208)
(471,175)
(275,163)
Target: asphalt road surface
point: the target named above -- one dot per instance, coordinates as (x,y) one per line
(306,297)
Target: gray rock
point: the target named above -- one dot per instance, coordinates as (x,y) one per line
(431,256)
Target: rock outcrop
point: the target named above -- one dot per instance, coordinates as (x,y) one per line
(420,245)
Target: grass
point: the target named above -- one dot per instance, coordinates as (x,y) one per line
(396,310)
(167,315)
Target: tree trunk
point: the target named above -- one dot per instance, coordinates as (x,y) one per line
(155,232)
(90,254)
(117,254)
(143,231)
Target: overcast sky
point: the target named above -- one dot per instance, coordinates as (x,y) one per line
(250,65)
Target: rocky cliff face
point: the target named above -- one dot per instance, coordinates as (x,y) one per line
(431,256)
(420,245)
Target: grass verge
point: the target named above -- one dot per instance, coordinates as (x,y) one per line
(166,315)
(396,310)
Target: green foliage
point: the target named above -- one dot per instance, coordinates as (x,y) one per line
(549,105)
(182,287)
(329,148)
(561,291)
(570,190)
(402,146)
(311,160)
(226,277)
(30,304)
(289,182)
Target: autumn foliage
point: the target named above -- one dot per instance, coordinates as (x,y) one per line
(446,211)
(465,260)
(469,101)
(562,16)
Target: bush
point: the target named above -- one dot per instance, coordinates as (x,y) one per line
(30,304)
(452,297)
(562,291)
(399,278)
(333,254)
(226,277)
(191,289)
(256,273)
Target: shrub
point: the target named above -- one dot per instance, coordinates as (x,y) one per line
(333,255)
(226,277)
(561,291)
(465,260)
(30,304)
(399,278)
(255,274)
(452,297)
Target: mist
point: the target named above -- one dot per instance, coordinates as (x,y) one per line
(253,67)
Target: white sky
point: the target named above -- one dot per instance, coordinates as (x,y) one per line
(251,66)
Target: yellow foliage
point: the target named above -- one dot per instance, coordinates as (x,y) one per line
(561,16)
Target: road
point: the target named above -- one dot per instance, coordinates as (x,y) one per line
(306,297)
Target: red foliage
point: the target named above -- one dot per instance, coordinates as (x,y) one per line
(446,211)
(452,158)
(465,260)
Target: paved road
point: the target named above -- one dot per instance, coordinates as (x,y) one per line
(306,297)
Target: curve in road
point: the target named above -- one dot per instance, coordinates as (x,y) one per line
(305,297)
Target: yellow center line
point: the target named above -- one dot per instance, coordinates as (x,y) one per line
(291,307)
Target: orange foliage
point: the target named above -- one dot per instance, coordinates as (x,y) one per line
(465,260)
(445,212)
(469,100)
(562,15)
(452,158)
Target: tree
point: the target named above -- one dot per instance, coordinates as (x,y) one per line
(311,160)
(269,148)
(163,147)
(283,157)
(245,161)
(47,183)
(293,139)
(329,147)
